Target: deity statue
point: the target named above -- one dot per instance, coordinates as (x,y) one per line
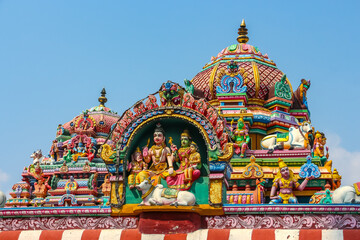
(285,181)
(136,166)
(319,145)
(80,151)
(41,188)
(68,152)
(90,149)
(190,163)
(64,168)
(106,186)
(160,156)
(54,150)
(194,163)
(241,137)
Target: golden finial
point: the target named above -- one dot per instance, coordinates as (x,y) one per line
(243,38)
(102,99)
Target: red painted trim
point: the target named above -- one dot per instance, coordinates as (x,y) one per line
(351,234)
(91,234)
(9,235)
(307,234)
(218,234)
(180,236)
(51,234)
(132,234)
(263,234)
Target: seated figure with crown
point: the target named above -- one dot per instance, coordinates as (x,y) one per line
(189,164)
(285,182)
(159,157)
(136,166)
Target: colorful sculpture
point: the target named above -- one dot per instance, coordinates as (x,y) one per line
(106,186)
(190,163)
(135,166)
(295,139)
(159,156)
(347,194)
(299,96)
(319,147)
(41,188)
(159,195)
(285,181)
(241,137)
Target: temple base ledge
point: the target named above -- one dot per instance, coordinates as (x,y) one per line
(135,209)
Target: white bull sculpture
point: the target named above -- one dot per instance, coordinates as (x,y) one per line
(295,140)
(157,195)
(346,194)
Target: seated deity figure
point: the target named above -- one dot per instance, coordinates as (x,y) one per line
(190,162)
(285,181)
(159,157)
(192,172)
(241,137)
(80,151)
(319,145)
(136,166)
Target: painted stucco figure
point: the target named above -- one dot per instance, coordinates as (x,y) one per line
(319,147)
(136,166)
(294,139)
(285,182)
(159,157)
(241,137)
(189,164)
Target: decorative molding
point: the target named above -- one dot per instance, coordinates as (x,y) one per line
(302,221)
(292,209)
(55,211)
(62,223)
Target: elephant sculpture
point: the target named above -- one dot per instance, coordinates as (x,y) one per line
(347,194)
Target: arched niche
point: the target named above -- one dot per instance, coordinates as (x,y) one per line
(173,126)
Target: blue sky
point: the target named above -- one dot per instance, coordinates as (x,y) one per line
(56,56)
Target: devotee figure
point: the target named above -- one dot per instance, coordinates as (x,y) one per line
(285,181)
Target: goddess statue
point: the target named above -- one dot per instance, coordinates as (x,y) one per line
(241,137)
(136,166)
(286,182)
(190,163)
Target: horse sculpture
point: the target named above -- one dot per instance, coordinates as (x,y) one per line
(295,139)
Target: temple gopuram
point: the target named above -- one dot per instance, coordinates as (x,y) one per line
(230,154)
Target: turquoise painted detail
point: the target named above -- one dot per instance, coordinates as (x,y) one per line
(282,89)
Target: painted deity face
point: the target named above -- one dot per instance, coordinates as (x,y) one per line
(138,157)
(185,141)
(285,172)
(159,138)
(240,125)
(192,148)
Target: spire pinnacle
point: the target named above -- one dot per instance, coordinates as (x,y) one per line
(102,99)
(243,38)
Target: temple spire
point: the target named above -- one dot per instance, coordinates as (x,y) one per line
(102,99)
(243,38)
